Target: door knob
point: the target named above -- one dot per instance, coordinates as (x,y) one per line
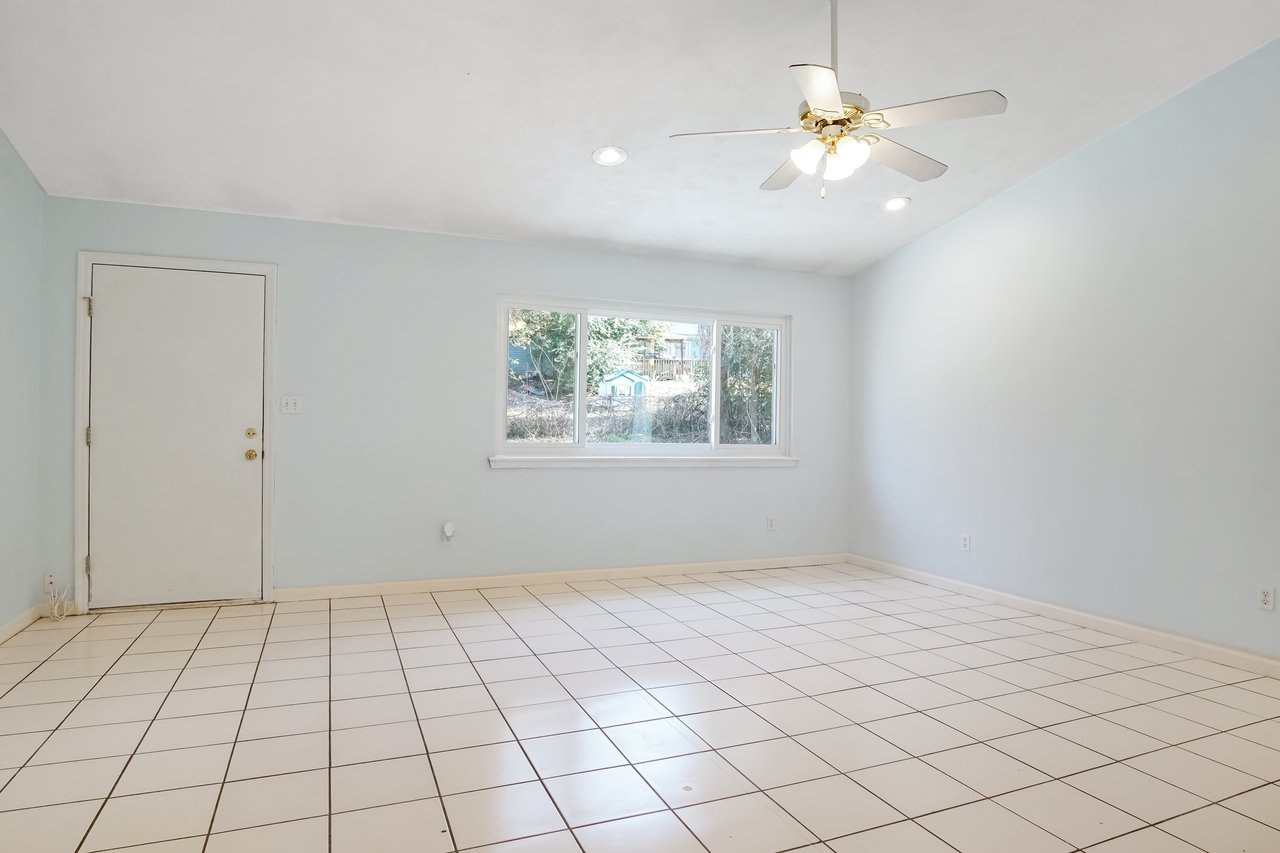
(251,455)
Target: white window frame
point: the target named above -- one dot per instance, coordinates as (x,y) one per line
(584,454)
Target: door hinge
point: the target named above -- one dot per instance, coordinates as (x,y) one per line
(88,567)
(88,302)
(88,436)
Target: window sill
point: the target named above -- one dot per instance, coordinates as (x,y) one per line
(513,460)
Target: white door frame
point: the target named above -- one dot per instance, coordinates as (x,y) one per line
(84,284)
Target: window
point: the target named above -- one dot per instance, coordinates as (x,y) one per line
(609,384)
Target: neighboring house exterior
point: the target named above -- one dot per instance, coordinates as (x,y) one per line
(623,383)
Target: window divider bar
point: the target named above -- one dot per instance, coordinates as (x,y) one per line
(580,399)
(713,404)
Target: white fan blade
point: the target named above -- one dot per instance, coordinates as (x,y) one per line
(972,105)
(821,91)
(784,177)
(902,159)
(740,132)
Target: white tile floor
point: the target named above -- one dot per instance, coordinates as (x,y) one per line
(825,708)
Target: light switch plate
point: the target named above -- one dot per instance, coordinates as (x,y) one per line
(291,404)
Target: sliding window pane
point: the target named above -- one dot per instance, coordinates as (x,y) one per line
(648,381)
(542,369)
(748,378)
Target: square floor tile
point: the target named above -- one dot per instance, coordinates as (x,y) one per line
(309,834)
(175,768)
(1107,738)
(693,698)
(69,782)
(601,795)
(1194,773)
(1240,754)
(284,720)
(753,689)
(530,721)
(90,742)
(798,716)
(903,837)
(52,829)
(272,756)
(1069,813)
(371,711)
(381,783)
(649,741)
(463,730)
(572,752)
(834,806)
(144,818)
(657,831)
(698,778)
(374,743)
(1169,728)
(1219,830)
(986,770)
(631,707)
(986,827)
(918,734)
(1035,709)
(979,720)
(476,767)
(501,814)
(1149,840)
(416,825)
(1049,753)
(1261,804)
(850,748)
(1137,793)
(773,763)
(730,726)
(863,704)
(914,787)
(272,799)
(751,823)
(182,732)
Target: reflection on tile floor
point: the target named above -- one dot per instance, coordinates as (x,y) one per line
(823,708)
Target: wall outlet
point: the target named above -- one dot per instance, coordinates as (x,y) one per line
(291,404)
(770,523)
(50,584)
(964,541)
(1266,598)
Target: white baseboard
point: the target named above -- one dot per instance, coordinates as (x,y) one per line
(19,622)
(303,593)
(1227,655)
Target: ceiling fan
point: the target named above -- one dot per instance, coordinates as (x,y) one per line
(840,122)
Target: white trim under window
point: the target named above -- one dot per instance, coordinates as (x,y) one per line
(582,453)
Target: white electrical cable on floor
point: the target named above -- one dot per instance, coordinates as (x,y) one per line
(58,604)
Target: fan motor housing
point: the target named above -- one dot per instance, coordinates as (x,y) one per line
(855,105)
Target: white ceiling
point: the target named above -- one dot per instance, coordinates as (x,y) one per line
(478,117)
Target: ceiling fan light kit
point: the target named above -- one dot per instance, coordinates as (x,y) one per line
(840,120)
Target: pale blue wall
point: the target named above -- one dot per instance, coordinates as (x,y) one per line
(1084,374)
(21,212)
(391,338)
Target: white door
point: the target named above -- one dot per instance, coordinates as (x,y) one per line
(175,443)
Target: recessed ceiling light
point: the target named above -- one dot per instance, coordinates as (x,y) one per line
(610,155)
(895,204)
